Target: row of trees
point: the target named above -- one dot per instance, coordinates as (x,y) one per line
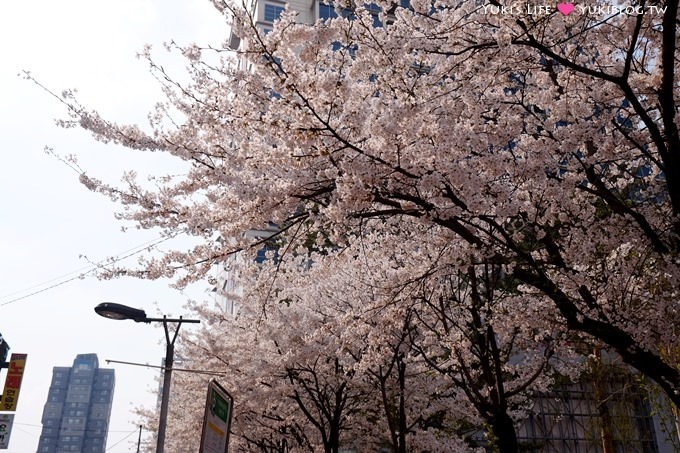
(426,367)
(459,193)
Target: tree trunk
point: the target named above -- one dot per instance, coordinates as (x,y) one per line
(504,435)
(600,393)
(402,407)
(632,353)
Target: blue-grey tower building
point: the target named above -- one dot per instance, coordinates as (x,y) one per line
(78,408)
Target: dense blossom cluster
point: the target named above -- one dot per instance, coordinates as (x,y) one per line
(461,198)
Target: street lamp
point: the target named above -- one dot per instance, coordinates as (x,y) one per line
(117,311)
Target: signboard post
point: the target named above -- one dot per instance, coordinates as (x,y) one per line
(15,372)
(6,421)
(217,419)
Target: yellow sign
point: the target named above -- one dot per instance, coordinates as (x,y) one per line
(15,372)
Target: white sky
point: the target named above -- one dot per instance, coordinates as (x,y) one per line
(47,219)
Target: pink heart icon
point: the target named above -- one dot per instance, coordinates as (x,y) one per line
(565,8)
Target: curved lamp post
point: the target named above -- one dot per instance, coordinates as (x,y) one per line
(117,311)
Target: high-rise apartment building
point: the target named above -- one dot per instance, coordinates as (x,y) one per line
(229,289)
(78,408)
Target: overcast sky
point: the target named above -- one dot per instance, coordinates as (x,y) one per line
(48,220)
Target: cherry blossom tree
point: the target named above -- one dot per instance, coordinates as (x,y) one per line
(477,336)
(546,144)
(293,391)
(356,360)
(405,408)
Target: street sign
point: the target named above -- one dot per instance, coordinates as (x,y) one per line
(15,372)
(217,419)
(6,421)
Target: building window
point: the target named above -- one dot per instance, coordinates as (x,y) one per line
(272,12)
(326,11)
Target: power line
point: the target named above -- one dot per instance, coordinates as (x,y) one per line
(24,431)
(186,370)
(78,272)
(87,270)
(130,434)
(40,426)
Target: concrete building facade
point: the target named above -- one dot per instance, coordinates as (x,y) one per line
(78,408)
